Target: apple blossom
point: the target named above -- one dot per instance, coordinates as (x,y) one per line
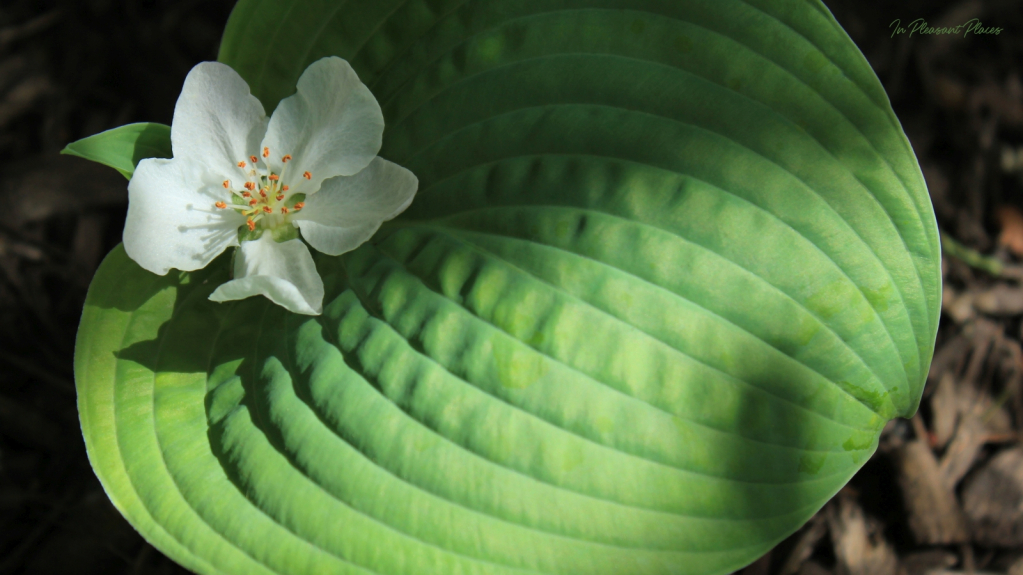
(238,178)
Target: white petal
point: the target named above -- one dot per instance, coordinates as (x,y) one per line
(217,121)
(335,241)
(348,209)
(172,220)
(283,272)
(332,126)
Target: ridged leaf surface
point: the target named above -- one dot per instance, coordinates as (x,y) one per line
(671,268)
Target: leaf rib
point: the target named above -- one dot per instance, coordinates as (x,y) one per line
(725,191)
(790,73)
(165,469)
(451,233)
(918,348)
(456,377)
(291,366)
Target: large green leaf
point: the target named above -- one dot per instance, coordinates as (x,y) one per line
(671,268)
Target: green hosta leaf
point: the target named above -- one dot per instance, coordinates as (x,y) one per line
(123,148)
(671,268)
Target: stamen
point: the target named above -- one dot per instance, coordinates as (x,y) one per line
(284,209)
(299,206)
(241,164)
(253,159)
(307,176)
(273,177)
(279,197)
(266,152)
(250,186)
(267,209)
(284,189)
(227,184)
(246,195)
(251,224)
(262,193)
(253,202)
(220,205)
(286,158)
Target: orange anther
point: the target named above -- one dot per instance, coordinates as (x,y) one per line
(227,184)
(284,209)
(253,202)
(266,152)
(286,158)
(251,224)
(307,176)
(284,189)
(250,186)
(273,177)
(253,159)
(267,209)
(241,164)
(262,193)
(279,197)
(246,195)
(220,205)
(299,206)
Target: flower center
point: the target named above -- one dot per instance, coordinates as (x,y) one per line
(263,199)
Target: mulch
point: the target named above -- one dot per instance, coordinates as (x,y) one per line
(944,493)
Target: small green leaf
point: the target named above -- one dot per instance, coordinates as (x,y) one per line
(123,148)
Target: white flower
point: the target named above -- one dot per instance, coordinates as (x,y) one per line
(238,178)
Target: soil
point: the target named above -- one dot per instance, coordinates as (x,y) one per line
(942,495)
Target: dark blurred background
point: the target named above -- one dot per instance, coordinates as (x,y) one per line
(943,495)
